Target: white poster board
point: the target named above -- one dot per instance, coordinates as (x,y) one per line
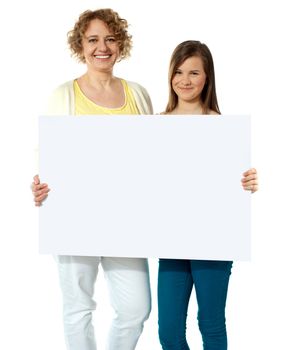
(145,186)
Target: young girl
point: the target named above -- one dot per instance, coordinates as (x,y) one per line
(192,91)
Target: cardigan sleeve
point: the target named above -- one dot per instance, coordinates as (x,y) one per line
(142,98)
(61,101)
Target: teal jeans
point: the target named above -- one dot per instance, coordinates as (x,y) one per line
(175,281)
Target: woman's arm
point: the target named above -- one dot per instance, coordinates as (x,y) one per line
(40,191)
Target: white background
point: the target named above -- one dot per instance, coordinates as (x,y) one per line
(254,49)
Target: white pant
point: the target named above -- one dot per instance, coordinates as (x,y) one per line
(128,283)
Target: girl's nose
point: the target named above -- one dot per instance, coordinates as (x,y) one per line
(186,81)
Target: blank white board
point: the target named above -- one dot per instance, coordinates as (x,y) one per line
(145,186)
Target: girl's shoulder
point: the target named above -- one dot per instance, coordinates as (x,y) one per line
(212,112)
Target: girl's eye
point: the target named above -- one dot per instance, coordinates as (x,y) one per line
(178,72)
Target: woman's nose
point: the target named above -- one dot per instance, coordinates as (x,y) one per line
(102,45)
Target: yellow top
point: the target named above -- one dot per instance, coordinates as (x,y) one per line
(84,106)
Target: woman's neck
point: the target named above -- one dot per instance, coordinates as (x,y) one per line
(98,80)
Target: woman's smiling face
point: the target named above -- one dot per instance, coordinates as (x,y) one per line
(100,48)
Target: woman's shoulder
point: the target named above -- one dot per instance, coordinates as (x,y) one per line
(135,86)
(61,99)
(142,97)
(64,87)
(62,91)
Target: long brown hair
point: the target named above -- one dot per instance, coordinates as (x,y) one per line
(183,51)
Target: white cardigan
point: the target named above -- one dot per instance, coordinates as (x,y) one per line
(61,101)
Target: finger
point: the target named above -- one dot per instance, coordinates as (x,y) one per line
(36,188)
(41,192)
(255,189)
(249,177)
(248,188)
(40,198)
(36,180)
(250,171)
(251,188)
(38,204)
(250,183)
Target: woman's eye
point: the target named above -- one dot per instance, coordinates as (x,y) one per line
(178,72)
(111,40)
(92,41)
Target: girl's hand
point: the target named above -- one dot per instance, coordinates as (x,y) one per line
(250,180)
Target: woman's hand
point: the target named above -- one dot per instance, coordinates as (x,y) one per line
(250,180)
(40,191)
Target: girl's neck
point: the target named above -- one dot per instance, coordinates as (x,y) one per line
(188,108)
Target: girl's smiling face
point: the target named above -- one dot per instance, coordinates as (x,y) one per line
(189,79)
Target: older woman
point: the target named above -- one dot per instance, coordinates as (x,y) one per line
(100,39)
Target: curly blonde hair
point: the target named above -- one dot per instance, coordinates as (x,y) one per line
(118,26)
